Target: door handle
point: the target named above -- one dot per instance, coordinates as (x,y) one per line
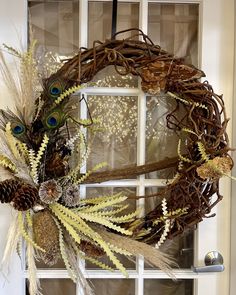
(213,263)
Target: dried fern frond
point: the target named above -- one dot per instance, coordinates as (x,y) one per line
(95,261)
(187,102)
(105,202)
(113,212)
(34,163)
(189,131)
(182,158)
(87,174)
(166,226)
(23,150)
(67,93)
(98,200)
(104,221)
(124,218)
(202,151)
(76,225)
(7,163)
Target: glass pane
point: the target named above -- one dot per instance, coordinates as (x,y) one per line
(168,287)
(175,28)
(55,25)
(161,141)
(56,286)
(100,15)
(114,287)
(99,28)
(93,192)
(115,140)
(108,77)
(181,247)
(42,265)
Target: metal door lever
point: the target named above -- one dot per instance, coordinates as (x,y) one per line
(213,261)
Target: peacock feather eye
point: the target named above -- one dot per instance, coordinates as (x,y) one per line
(54,120)
(17,129)
(56,88)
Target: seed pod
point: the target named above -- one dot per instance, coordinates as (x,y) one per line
(71,196)
(46,235)
(50,191)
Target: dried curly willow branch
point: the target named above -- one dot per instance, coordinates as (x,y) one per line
(197,109)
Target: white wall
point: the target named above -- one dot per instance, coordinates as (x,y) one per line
(13,21)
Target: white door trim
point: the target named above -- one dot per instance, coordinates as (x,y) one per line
(233,194)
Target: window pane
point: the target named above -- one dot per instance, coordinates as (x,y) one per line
(180,247)
(55,25)
(40,264)
(161,141)
(114,287)
(99,28)
(175,28)
(115,140)
(56,287)
(100,16)
(168,287)
(108,77)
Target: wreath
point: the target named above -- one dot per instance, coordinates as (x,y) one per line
(44,145)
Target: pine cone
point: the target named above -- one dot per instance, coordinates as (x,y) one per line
(8,189)
(25,197)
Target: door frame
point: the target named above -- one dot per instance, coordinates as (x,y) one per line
(233,188)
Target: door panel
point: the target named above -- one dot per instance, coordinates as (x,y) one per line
(187,29)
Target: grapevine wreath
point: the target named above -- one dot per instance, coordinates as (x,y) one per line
(44,145)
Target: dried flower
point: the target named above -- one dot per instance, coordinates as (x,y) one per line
(215,168)
(50,191)
(71,196)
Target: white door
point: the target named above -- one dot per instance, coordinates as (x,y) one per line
(211,47)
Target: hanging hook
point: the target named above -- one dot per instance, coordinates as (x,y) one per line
(114,19)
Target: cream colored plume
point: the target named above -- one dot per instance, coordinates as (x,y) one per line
(152,255)
(21,80)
